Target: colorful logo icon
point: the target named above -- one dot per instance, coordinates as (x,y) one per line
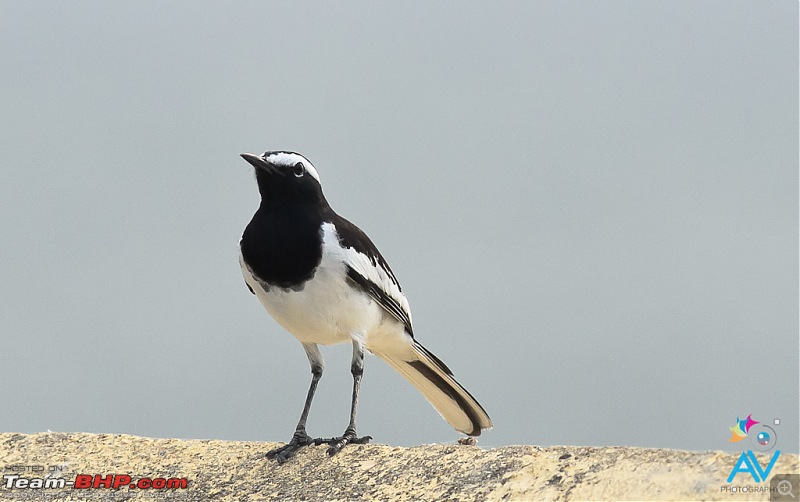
(742,427)
(763,439)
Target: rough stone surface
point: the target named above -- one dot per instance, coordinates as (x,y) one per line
(230,470)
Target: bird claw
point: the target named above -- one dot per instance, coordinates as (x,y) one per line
(287,451)
(336,444)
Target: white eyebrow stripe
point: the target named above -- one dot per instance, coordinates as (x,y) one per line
(289,159)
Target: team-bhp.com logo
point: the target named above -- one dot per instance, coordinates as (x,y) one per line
(763,439)
(87,481)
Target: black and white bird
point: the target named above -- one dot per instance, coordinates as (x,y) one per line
(322,279)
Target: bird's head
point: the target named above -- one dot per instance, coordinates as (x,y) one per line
(285,175)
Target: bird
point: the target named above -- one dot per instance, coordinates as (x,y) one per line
(324,281)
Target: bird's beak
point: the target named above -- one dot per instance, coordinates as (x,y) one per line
(257,162)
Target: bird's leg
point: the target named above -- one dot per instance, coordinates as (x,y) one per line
(349,436)
(300,438)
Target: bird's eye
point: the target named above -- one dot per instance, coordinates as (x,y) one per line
(298,169)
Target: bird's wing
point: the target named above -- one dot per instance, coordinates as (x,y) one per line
(367,269)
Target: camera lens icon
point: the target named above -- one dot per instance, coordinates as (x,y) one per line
(764,437)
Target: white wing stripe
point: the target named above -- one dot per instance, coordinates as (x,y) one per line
(362,264)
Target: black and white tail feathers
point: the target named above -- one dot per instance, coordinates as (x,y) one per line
(435,381)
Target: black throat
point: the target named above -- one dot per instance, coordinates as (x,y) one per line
(282,244)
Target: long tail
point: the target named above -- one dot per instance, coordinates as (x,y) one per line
(435,381)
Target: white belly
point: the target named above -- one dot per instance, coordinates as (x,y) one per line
(326,311)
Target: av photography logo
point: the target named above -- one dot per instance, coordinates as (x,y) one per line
(752,470)
(759,437)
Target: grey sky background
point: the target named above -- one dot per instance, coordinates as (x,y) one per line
(591,206)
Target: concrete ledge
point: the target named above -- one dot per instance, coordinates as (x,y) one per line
(229,470)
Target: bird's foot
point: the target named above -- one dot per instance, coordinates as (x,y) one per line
(288,450)
(336,444)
